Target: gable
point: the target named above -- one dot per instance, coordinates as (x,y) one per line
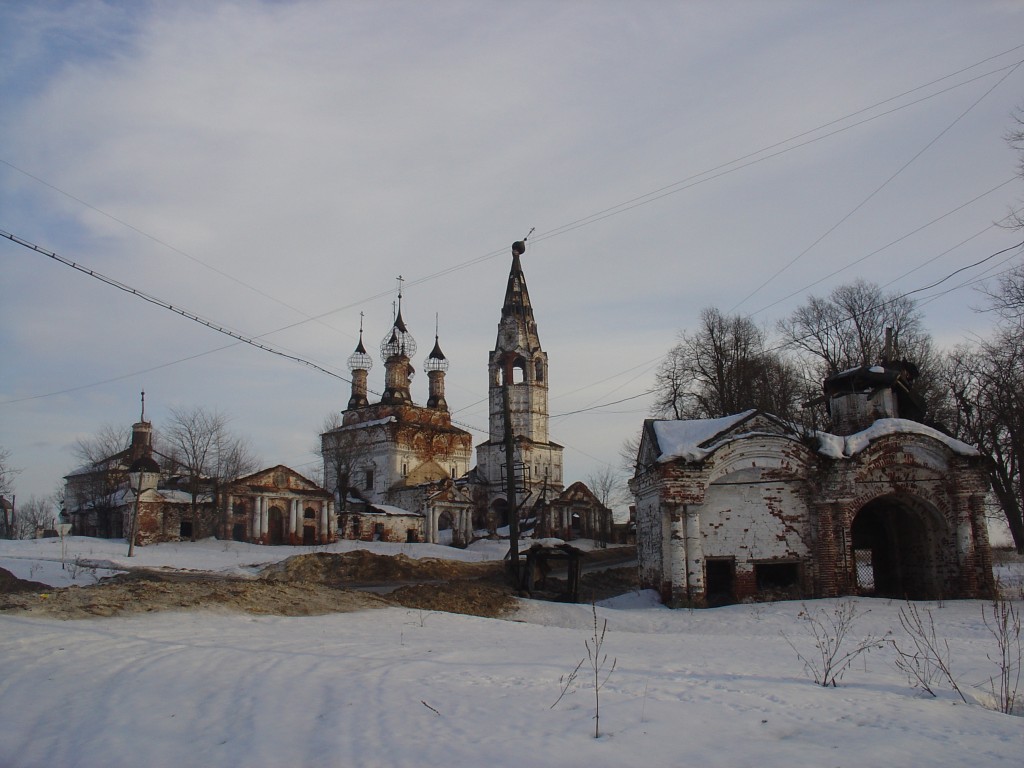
(693,440)
(278,478)
(427,472)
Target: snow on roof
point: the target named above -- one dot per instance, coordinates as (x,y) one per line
(386,509)
(372,423)
(548,543)
(683,439)
(839,447)
(182,497)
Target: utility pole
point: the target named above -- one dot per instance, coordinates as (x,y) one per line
(510,472)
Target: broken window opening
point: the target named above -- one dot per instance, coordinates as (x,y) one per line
(778,581)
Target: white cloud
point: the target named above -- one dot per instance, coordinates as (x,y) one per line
(315,151)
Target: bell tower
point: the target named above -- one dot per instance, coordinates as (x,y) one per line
(519,361)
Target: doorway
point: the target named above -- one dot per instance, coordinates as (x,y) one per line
(897,542)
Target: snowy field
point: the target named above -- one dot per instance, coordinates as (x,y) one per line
(398,687)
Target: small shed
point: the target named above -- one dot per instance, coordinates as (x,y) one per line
(539,561)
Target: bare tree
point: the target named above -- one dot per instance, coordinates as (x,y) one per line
(101,447)
(608,486)
(198,440)
(341,450)
(1007,296)
(1015,138)
(848,328)
(722,368)
(91,488)
(32,514)
(7,472)
(987,407)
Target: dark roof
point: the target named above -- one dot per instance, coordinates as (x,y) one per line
(144,464)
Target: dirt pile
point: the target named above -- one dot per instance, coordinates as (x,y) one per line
(304,585)
(9,583)
(361,567)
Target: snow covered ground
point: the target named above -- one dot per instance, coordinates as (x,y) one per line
(398,687)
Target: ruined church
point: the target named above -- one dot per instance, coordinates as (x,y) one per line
(393,470)
(403,472)
(749,507)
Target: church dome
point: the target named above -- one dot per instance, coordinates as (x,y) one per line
(436,361)
(398,342)
(360,360)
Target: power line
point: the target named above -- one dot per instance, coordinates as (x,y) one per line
(723,169)
(621,208)
(878,189)
(166,305)
(895,242)
(881,305)
(657,194)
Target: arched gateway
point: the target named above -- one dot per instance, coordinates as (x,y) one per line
(747,508)
(898,544)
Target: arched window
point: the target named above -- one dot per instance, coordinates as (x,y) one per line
(309,514)
(538,370)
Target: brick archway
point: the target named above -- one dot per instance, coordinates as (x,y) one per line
(898,543)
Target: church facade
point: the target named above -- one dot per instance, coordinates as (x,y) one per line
(746,507)
(400,471)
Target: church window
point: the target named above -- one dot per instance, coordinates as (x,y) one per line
(538,367)
(369,479)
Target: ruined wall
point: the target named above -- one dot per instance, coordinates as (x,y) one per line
(766,515)
(382,527)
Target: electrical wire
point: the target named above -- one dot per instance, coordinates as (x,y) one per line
(879,188)
(166,305)
(621,208)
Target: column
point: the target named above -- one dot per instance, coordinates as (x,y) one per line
(254,520)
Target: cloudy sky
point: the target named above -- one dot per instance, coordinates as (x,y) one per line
(274,167)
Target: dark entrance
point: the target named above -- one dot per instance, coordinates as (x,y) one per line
(718,581)
(275,527)
(896,545)
(499,510)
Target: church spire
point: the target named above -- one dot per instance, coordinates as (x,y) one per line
(517,297)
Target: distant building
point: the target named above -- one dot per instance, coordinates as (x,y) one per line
(274,506)
(386,459)
(402,472)
(746,507)
(278,506)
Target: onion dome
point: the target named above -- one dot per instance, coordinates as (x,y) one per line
(436,361)
(360,360)
(398,342)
